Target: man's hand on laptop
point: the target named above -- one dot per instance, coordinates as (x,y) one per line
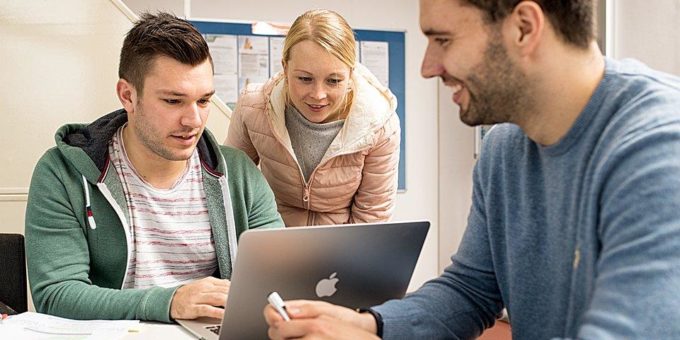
(204,297)
(319,320)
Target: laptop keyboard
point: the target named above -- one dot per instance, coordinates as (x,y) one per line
(215,329)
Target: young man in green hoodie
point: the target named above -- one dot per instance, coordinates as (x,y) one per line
(136,215)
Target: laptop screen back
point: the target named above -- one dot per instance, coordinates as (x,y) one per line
(358,265)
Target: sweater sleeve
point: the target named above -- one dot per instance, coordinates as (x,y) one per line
(636,289)
(253,199)
(460,303)
(58,258)
(375,198)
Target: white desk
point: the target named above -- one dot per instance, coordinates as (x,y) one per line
(26,324)
(159,331)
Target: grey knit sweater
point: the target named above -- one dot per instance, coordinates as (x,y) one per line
(309,140)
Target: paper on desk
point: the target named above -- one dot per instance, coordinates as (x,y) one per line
(42,326)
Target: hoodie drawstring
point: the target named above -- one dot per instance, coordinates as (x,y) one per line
(88,207)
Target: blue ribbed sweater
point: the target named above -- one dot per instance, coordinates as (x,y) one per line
(580,239)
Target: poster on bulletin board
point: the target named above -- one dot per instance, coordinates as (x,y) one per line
(242,55)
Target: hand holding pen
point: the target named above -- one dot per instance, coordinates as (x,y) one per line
(317,319)
(277,302)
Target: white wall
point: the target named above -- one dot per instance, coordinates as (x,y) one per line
(648,31)
(57,65)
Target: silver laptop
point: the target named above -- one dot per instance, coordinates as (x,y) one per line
(357,265)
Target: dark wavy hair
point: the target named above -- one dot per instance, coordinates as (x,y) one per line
(155,35)
(573,20)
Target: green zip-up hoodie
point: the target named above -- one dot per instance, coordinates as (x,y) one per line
(77,223)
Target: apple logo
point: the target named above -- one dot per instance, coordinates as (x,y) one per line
(326,287)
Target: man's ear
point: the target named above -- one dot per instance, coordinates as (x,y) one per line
(525,27)
(127,94)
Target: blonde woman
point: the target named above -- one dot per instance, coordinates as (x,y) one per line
(324,131)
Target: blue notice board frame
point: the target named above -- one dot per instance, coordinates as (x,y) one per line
(397,68)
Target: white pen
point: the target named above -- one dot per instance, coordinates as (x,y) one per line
(277,302)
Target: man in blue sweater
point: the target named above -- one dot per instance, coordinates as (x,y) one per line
(575,218)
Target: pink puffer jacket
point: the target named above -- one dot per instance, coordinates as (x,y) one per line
(356,180)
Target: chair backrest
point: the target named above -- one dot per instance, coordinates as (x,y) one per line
(13,272)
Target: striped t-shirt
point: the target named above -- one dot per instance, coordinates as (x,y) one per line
(170,236)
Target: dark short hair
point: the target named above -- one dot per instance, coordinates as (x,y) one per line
(573,20)
(157,35)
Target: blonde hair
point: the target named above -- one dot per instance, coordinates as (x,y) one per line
(330,31)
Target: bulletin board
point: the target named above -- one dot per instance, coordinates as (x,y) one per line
(242,57)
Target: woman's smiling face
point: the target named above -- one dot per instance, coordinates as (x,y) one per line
(317,81)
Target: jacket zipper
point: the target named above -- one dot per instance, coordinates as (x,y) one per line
(306,186)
